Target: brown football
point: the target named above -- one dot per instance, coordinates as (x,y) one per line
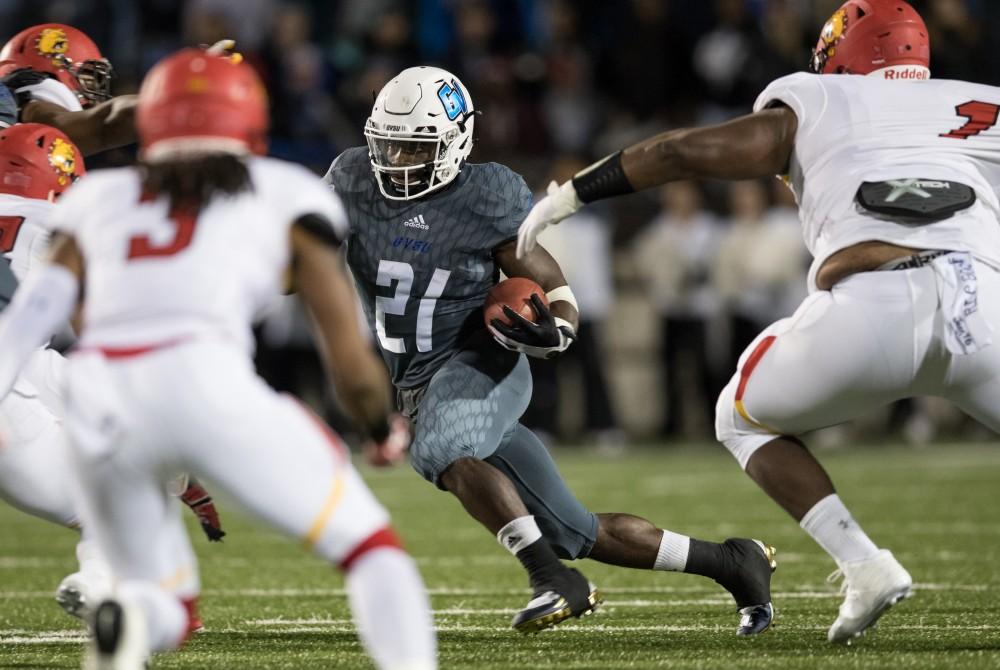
(516,294)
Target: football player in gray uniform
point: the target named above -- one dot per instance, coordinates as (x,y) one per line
(430,236)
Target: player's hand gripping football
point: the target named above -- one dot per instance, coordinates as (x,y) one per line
(393,448)
(541,339)
(561,201)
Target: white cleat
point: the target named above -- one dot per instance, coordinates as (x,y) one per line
(872,586)
(79,593)
(119,639)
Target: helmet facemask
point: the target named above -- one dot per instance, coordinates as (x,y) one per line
(94,77)
(409,164)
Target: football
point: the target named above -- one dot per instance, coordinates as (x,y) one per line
(515,293)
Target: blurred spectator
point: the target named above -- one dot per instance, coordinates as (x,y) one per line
(674,256)
(582,247)
(572,105)
(731,61)
(758,272)
(959,38)
(246,21)
(302,109)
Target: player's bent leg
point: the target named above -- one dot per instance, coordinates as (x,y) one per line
(569,527)
(807,372)
(560,526)
(34,474)
(280,463)
(741,566)
(390,606)
(469,409)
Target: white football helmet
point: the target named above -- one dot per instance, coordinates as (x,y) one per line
(420,132)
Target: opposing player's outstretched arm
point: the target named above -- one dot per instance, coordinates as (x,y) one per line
(358,375)
(39,308)
(105,126)
(752,146)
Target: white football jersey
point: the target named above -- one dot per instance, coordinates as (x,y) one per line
(153,278)
(24,231)
(854,129)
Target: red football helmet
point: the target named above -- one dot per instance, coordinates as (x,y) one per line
(192,102)
(37,161)
(868,35)
(64,52)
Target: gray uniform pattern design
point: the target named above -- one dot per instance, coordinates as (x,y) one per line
(399,251)
(464,392)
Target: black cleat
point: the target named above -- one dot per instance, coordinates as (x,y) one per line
(118,638)
(755,619)
(569,595)
(749,565)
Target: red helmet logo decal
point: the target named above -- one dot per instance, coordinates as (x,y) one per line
(62,158)
(53,43)
(833,31)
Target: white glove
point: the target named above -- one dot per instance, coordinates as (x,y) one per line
(561,201)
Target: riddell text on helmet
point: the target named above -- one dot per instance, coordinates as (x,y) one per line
(908,73)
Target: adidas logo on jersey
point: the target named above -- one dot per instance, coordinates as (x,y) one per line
(417,222)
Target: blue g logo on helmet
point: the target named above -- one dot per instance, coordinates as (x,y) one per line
(453,99)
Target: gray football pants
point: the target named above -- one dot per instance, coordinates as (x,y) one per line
(470,408)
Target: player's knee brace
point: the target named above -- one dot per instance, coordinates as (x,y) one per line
(740,435)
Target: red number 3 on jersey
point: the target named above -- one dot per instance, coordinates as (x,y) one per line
(140,246)
(981,116)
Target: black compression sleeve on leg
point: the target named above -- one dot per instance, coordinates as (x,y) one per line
(604,180)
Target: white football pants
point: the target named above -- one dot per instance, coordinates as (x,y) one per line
(34,470)
(134,422)
(875,338)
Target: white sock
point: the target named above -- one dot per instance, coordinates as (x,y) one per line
(518,534)
(166,617)
(392,611)
(673,552)
(834,529)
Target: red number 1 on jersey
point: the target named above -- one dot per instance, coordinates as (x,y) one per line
(981,116)
(140,246)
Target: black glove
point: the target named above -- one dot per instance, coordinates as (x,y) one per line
(544,339)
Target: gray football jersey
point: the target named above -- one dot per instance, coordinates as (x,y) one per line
(423,267)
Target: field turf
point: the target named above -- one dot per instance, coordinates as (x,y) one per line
(267,604)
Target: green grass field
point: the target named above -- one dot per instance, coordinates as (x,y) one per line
(266,604)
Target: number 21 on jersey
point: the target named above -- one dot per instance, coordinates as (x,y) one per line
(402,274)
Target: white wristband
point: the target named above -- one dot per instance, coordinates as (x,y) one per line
(562,294)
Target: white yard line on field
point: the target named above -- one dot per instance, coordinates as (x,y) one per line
(806,591)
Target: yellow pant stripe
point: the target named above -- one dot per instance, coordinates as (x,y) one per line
(323,518)
(175,581)
(743,412)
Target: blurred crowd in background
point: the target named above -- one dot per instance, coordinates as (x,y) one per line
(672,284)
